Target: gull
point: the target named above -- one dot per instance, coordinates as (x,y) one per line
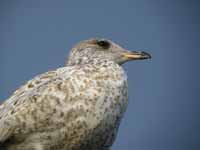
(76,107)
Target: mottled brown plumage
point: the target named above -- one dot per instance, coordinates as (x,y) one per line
(77,107)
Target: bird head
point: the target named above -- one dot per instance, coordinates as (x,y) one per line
(101,49)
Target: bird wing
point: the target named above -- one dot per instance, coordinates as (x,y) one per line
(26,104)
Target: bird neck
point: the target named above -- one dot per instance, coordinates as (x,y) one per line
(86,60)
(105,66)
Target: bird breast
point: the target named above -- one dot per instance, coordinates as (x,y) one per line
(102,92)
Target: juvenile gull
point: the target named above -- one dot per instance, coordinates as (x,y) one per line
(77,107)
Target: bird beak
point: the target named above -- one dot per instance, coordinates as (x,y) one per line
(133,55)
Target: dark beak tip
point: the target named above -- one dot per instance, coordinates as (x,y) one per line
(146,55)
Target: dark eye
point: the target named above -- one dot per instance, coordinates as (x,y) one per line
(104,44)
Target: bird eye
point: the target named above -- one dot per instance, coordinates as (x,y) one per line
(104,44)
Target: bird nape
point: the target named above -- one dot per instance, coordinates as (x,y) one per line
(76,107)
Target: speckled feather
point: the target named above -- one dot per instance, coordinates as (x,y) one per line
(65,105)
